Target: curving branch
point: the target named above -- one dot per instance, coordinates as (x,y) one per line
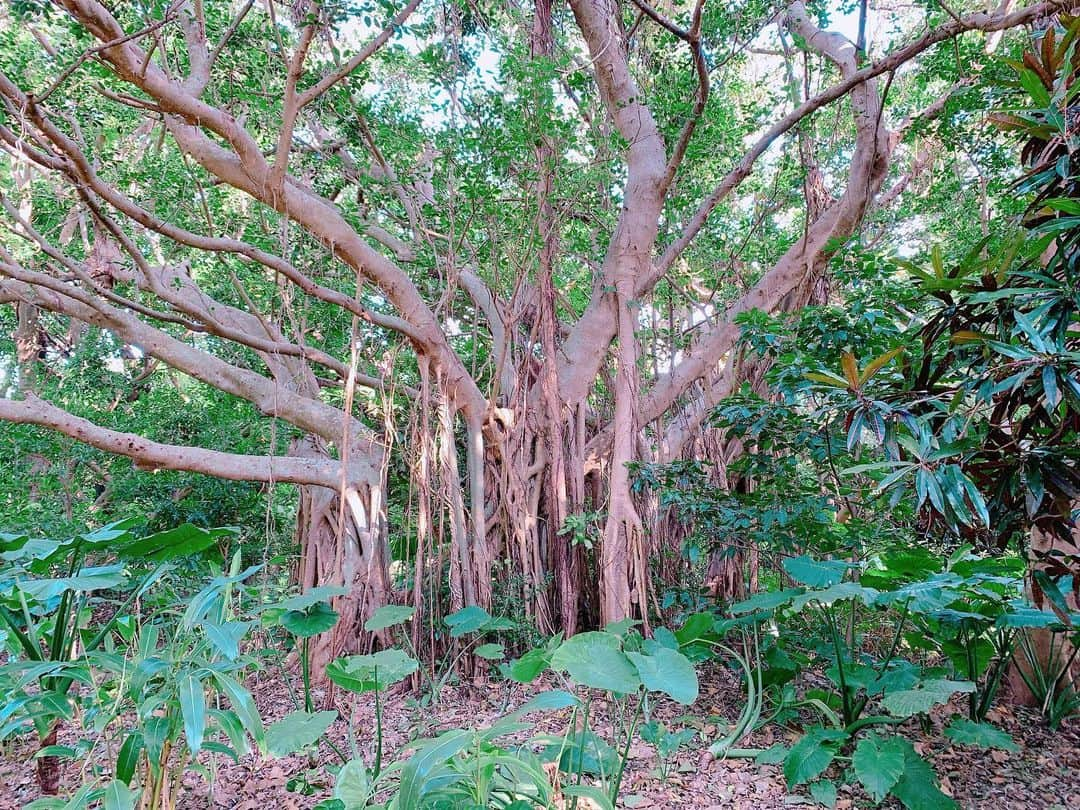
(153,456)
(585,348)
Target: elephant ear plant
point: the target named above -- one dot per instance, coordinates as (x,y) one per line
(630,670)
(965,604)
(56,605)
(303,617)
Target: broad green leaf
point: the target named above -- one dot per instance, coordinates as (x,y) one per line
(467,620)
(621,627)
(310,621)
(835,593)
(226,637)
(110,533)
(1026,616)
(490,652)
(917,788)
(423,767)
(358,673)
(86,581)
(182,541)
(811,755)
(388,616)
(528,667)
(582,752)
(823,792)
(594,659)
(879,763)
(296,731)
(667,671)
(697,625)
(981,735)
(308,598)
(908,702)
(815,573)
(353,785)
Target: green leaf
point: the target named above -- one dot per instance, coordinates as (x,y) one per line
(423,767)
(467,620)
(118,796)
(696,626)
(908,702)
(230,723)
(86,581)
(1025,616)
(315,619)
(388,616)
(917,788)
(582,752)
(528,667)
(879,764)
(242,705)
(667,671)
(824,792)
(193,709)
(835,593)
(305,600)
(357,673)
(811,755)
(185,540)
(981,735)
(594,659)
(815,573)
(1031,82)
(551,700)
(128,758)
(226,637)
(296,731)
(490,652)
(353,785)
(61,751)
(110,532)
(220,748)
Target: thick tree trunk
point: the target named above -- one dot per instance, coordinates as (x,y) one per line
(1051,653)
(342,538)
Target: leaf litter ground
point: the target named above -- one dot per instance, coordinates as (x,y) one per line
(1043,775)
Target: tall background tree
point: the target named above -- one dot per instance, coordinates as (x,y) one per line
(450,269)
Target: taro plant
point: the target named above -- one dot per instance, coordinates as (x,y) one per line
(466,632)
(667,743)
(464,768)
(868,694)
(303,617)
(628,669)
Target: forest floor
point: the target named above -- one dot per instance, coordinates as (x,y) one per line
(1044,773)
